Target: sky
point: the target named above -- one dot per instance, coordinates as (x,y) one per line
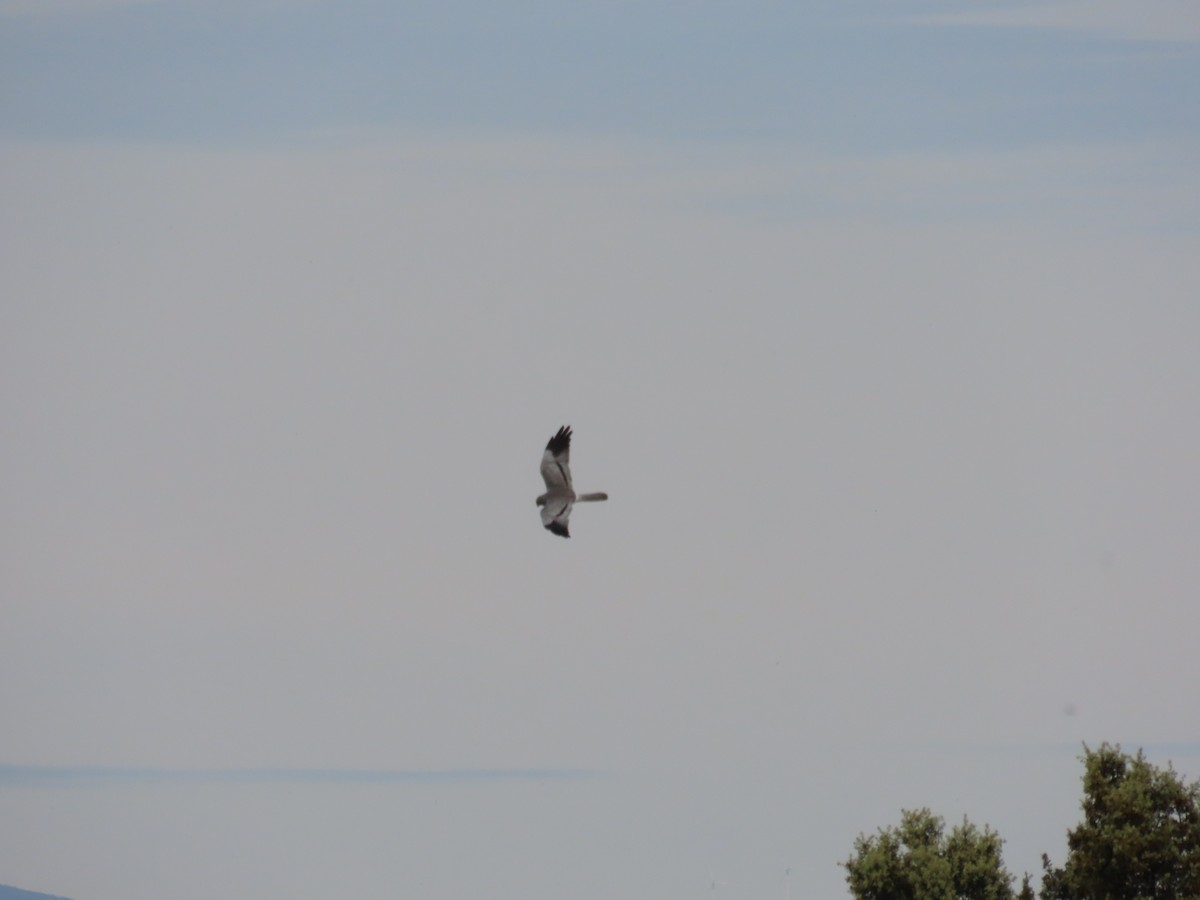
(876,321)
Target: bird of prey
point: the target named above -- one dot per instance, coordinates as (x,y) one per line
(560,496)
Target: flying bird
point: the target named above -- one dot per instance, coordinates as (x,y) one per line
(560,496)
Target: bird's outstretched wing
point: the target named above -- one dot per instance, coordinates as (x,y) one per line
(556,465)
(555,515)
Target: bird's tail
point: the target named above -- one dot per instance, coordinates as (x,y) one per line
(586,498)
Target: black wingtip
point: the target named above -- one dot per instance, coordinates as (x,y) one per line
(559,529)
(561,441)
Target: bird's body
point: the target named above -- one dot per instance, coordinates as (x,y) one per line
(560,495)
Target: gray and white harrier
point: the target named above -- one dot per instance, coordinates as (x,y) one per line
(560,496)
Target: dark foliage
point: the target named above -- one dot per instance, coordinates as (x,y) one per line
(1139,838)
(917,861)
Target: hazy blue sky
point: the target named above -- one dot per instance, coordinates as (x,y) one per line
(877,321)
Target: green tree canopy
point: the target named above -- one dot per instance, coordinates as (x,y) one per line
(1139,838)
(917,860)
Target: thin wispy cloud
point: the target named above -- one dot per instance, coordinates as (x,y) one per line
(74,776)
(50,8)
(820,77)
(1117,188)
(1157,751)
(1149,20)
